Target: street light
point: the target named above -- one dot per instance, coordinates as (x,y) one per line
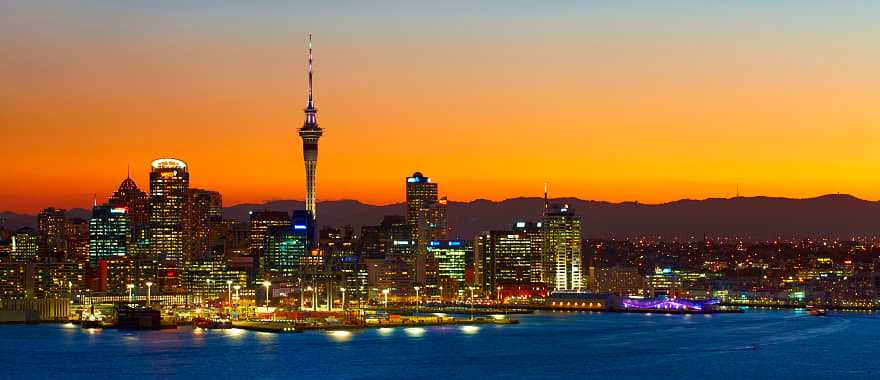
(417,298)
(385,292)
(130,292)
(343,298)
(499,299)
(228,292)
(149,285)
(267,284)
(237,288)
(472,301)
(315,298)
(441,294)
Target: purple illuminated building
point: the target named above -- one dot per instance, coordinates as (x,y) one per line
(669,304)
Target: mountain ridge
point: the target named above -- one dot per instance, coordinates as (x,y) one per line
(749,218)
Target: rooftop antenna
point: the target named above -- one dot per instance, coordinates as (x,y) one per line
(546,199)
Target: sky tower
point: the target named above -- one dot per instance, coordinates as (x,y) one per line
(310,133)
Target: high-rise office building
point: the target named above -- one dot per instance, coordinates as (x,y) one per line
(426,216)
(310,133)
(77,235)
(131,197)
(50,226)
(284,248)
(562,245)
(169,186)
(137,204)
(421,195)
(260,223)
(25,245)
(505,259)
(541,267)
(202,212)
(450,260)
(108,234)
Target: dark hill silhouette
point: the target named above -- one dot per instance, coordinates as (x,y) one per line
(750,218)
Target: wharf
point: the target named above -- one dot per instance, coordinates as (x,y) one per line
(290,327)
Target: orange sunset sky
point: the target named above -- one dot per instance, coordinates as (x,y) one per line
(605,100)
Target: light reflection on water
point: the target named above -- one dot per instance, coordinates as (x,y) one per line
(582,345)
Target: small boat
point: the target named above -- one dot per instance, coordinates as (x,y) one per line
(92,320)
(816,311)
(213,323)
(91,324)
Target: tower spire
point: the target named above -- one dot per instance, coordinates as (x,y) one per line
(311,100)
(311,119)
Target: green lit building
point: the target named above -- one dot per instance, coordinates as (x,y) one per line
(450,259)
(108,234)
(284,248)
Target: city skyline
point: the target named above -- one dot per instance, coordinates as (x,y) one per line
(700,107)
(599,189)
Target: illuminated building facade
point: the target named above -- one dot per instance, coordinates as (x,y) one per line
(425,212)
(77,236)
(14,279)
(284,248)
(664,282)
(450,257)
(505,258)
(24,245)
(541,267)
(395,274)
(208,279)
(131,197)
(202,212)
(622,281)
(310,134)
(562,245)
(108,234)
(260,223)
(169,185)
(50,227)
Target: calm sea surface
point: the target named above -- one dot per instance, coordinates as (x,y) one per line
(756,345)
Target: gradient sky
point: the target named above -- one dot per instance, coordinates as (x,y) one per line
(616,100)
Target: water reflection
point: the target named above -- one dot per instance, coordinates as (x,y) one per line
(340,335)
(414,331)
(386,331)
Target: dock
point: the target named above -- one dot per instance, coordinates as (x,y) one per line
(295,327)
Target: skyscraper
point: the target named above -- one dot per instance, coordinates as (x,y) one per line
(25,245)
(261,221)
(129,196)
(50,225)
(169,185)
(421,194)
(505,259)
(562,245)
(202,212)
(310,133)
(450,260)
(108,234)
